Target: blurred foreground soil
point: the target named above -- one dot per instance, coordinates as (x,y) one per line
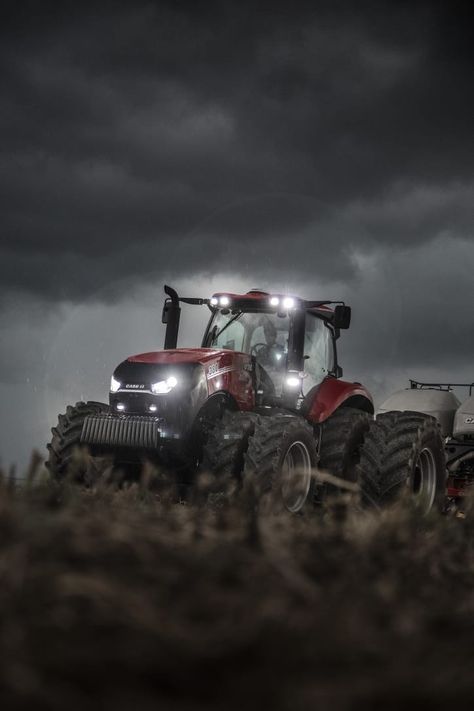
(119,598)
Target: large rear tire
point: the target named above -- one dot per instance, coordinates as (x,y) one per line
(403,455)
(342,436)
(280,460)
(65,441)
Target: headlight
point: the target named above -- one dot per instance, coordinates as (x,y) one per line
(274,301)
(164,386)
(293,381)
(114,385)
(288,302)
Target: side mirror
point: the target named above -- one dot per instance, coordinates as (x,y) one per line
(164,313)
(342,317)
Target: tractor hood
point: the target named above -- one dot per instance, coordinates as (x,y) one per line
(177,356)
(184,374)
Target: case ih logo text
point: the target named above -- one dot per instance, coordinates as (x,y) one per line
(134,386)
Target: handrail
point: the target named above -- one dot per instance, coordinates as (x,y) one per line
(415,384)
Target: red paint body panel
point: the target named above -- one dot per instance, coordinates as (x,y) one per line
(255,296)
(457,486)
(226,371)
(230,371)
(454,493)
(176,356)
(331,394)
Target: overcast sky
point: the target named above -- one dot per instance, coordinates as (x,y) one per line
(323,148)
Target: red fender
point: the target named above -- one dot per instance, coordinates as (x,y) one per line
(333,393)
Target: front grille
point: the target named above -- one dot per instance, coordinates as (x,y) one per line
(135,403)
(121,431)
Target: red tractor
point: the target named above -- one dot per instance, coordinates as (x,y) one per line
(263,397)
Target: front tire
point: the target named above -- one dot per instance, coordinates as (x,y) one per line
(226,445)
(280,460)
(65,441)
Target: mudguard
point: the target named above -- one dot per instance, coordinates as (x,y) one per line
(326,398)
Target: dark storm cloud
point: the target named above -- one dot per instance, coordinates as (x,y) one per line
(141,139)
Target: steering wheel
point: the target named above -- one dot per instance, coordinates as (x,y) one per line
(257,348)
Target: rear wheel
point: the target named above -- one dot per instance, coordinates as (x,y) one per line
(281,458)
(226,444)
(403,455)
(65,441)
(342,436)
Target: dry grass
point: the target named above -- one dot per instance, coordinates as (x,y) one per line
(118,598)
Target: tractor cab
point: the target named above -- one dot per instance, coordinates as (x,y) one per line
(263,330)
(291,342)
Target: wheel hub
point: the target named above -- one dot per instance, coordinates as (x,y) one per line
(424,479)
(296,476)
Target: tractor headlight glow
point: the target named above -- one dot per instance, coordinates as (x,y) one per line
(274,301)
(164,386)
(293,381)
(224,301)
(288,302)
(114,385)
(214,301)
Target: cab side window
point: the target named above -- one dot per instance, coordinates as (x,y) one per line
(258,336)
(232,338)
(318,347)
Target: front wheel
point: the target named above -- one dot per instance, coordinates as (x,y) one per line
(65,441)
(225,446)
(280,460)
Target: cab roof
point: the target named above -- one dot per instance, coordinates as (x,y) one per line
(256,298)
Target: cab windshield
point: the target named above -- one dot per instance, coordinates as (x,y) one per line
(263,335)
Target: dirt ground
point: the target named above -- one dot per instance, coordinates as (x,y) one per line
(124,599)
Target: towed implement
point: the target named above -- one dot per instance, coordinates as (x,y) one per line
(422,440)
